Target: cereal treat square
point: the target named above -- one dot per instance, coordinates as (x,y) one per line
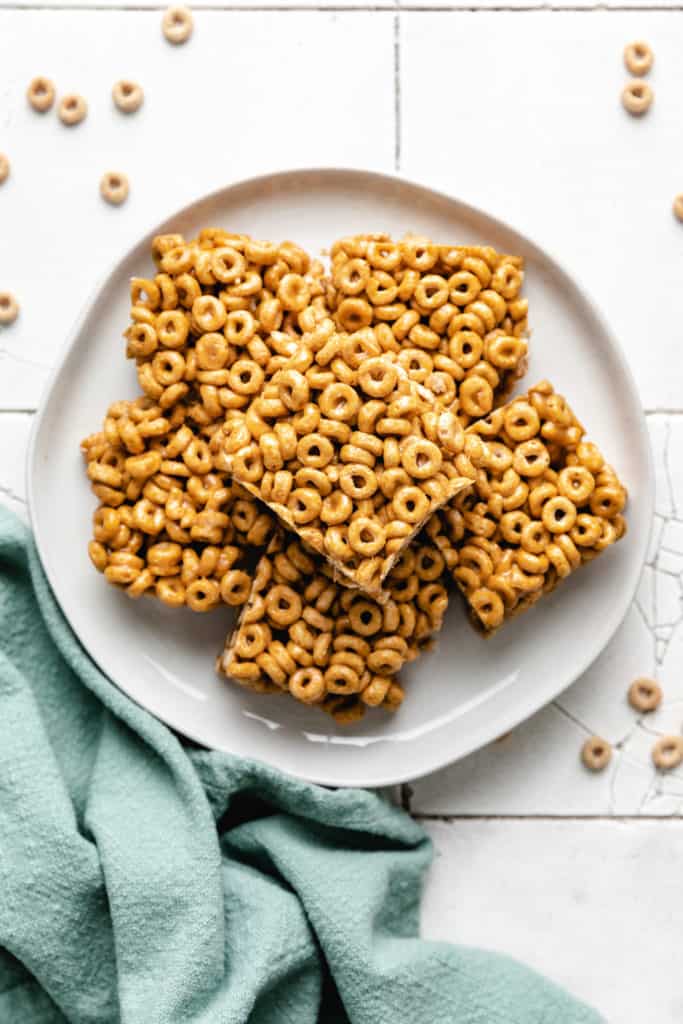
(168,524)
(303,634)
(222,312)
(349,453)
(452,313)
(544,502)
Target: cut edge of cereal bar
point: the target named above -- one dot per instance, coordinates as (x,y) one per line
(408,433)
(327,645)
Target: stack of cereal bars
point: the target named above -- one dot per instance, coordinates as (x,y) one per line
(333,453)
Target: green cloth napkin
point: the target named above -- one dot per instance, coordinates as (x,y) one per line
(149,882)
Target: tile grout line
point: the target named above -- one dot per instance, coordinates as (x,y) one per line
(397,92)
(32,410)
(451,819)
(355,8)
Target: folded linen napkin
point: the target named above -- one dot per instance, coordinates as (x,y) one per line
(150,882)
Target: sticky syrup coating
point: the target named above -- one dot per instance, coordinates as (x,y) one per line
(454,315)
(302,633)
(544,503)
(168,524)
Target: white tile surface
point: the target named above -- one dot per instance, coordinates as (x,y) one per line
(536,769)
(518,112)
(590,904)
(14,433)
(521,114)
(254,91)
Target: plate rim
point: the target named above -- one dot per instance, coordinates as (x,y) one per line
(525,709)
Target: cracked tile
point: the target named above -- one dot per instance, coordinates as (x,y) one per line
(535,770)
(598,698)
(665,804)
(645,595)
(667,719)
(671,669)
(637,748)
(659,427)
(668,603)
(672,535)
(670,562)
(630,784)
(15,429)
(674,463)
(658,527)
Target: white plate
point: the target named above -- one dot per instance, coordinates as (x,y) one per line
(470,690)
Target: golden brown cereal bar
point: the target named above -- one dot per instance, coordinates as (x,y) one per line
(453,314)
(544,502)
(168,523)
(301,633)
(221,313)
(348,452)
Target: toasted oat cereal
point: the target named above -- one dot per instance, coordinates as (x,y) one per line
(72,109)
(638,58)
(596,753)
(667,753)
(644,694)
(544,502)
(349,452)
(167,522)
(127,96)
(637,97)
(453,315)
(212,317)
(9,309)
(41,94)
(177,24)
(114,187)
(303,634)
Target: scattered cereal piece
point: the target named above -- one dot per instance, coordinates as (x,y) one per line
(114,188)
(638,58)
(667,753)
(9,308)
(4,168)
(177,24)
(637,97)
(678,207)
(72,109)
(128,96)
(596,753)
(644,694)
(41,94)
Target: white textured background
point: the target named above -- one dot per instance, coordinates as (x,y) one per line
(515,109)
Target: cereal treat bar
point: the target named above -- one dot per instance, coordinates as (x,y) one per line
(301,633)
(348,452)
(544,502)
(169,524)
(452,313)
(222,312)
